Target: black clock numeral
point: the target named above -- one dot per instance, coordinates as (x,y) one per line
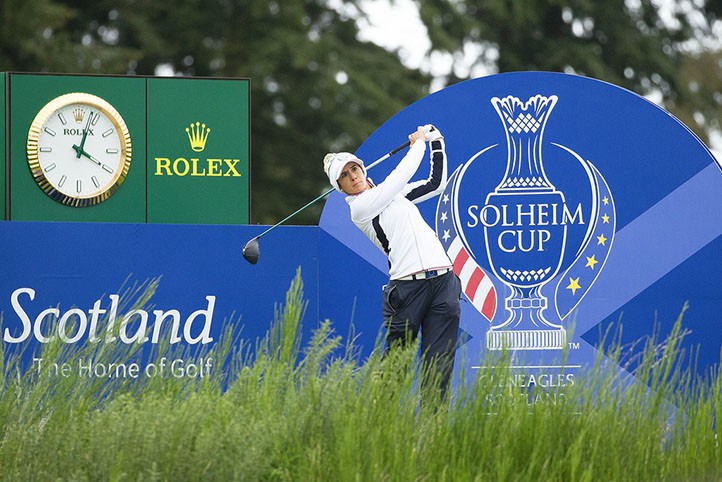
(49,131)
(62,181)
(107,133)
(79,186)
(95,182)
(62,118)
(108,169)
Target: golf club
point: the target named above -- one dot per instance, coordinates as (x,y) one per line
(251,251)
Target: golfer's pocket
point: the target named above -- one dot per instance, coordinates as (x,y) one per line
(390,300)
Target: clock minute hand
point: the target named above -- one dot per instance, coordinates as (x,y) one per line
(79,150)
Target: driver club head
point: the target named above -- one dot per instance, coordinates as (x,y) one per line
(251,251)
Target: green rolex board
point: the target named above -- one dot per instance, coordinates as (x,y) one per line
(3,147)
(186,158)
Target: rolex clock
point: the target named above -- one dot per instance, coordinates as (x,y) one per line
(79,149)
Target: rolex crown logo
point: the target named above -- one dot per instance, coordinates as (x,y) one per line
(78,114)
(198,135)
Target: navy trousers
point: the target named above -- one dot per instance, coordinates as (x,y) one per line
(432,307)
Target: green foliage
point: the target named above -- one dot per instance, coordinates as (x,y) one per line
(309,414)
(317,88)
(314,86)
(630,44)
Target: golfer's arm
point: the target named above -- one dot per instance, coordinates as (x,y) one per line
(434,184)
(370,203)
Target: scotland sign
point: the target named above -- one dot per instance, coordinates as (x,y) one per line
(572,206)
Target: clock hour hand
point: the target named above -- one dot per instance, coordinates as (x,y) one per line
(79,150)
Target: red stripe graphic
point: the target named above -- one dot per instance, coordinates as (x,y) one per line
(483,298)
(489,306)
(473,283)
(460,261)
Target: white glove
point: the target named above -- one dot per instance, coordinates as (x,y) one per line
(431,133)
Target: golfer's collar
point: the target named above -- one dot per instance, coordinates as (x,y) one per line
(351,197)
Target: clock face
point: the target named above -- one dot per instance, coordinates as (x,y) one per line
(79,149)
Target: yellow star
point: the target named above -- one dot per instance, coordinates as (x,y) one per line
(573,285)
(605,219)
(591,261)
(605,200)
(601,240)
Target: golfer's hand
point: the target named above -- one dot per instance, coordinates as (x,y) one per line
(417,136)
(431,132)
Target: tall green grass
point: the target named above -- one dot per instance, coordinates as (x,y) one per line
(298,413)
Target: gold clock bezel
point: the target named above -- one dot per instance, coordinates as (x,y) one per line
(32,148)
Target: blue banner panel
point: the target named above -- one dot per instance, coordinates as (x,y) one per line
(571,205)
(80,271)
(350,294)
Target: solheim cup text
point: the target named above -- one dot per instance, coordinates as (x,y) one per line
(525,216)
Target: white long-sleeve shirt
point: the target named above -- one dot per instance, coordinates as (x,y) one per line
(387,215)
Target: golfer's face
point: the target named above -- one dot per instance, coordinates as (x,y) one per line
(352,179)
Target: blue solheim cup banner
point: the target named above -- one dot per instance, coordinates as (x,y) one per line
(572,207)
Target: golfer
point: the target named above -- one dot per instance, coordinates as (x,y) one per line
(423,292)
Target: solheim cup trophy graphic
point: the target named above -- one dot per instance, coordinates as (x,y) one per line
(524,245)
(536,238)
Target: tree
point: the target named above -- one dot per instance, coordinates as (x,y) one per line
(37,36)
(626,43)
(315,86)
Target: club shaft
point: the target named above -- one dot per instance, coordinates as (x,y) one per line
(388,154)
(294,213)
(377,161)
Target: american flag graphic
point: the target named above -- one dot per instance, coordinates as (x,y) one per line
(475,283)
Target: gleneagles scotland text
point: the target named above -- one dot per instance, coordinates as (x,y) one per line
(103,324)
